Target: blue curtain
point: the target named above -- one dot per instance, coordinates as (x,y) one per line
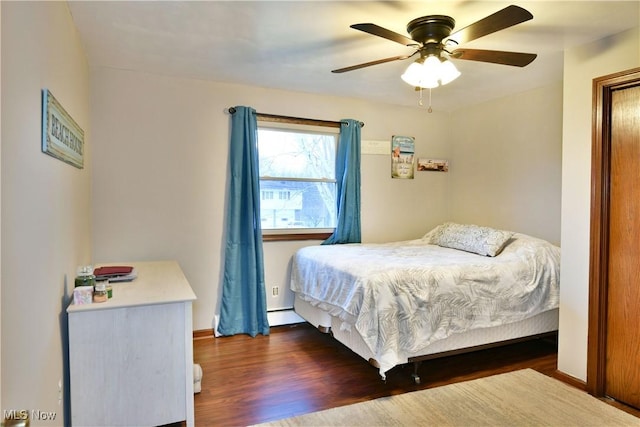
(348,184)
(243,308)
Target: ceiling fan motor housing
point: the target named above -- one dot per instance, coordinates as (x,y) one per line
(431,29)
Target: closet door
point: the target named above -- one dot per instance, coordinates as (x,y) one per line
(622,371)
(613,352)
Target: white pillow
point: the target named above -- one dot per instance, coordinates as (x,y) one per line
(468,237)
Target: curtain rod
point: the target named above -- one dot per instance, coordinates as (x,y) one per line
(289,119)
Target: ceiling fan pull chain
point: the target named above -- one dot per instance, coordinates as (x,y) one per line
(421,103)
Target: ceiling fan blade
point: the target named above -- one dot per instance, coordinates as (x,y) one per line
(505,18)
(376,30)
(517,59)
(368,64)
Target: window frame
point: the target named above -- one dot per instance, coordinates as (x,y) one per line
(298,124)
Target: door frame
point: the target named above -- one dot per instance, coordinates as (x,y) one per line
(603,88)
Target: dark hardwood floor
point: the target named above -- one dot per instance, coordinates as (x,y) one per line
(297,370)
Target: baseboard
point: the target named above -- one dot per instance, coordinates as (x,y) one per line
(203,333)
(276,318)
(568,379)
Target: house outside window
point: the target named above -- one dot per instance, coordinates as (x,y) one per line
(297,178)
(284,195)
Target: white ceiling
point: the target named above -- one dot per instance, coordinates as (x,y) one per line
(294,45)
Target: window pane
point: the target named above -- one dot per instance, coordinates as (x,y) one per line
(289,154)
(297,204)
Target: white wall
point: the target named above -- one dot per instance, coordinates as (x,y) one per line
(160,171)
(581,66)
(506,163)
(45,203)
(161,166)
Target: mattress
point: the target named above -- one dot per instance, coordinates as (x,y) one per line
(402,297)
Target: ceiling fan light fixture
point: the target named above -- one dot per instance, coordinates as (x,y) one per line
(416,77)
(430,72)
(448,72)
(431,66)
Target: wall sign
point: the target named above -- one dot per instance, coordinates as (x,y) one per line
(402,152)
(436,165)
(368,146)
(62,138)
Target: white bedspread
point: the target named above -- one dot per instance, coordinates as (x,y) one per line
(402,296)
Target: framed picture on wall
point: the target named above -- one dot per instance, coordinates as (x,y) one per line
(433,165)
(62,138)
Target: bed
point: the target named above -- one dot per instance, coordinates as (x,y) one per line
(459,288)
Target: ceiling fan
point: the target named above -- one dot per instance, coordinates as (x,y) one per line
(431,35)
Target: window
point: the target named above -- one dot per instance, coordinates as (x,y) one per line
(297,179)
(284,195)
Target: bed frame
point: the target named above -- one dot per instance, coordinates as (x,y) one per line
(543,324)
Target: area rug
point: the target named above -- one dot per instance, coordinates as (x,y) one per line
(520,398)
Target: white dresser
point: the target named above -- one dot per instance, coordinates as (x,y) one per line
(131,358)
